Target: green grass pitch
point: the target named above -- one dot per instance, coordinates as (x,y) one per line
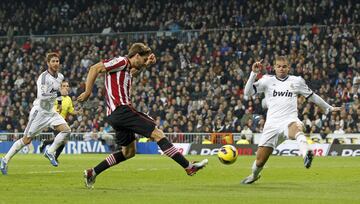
(157,179)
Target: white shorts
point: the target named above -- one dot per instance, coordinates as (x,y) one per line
(40,119)
(272,131)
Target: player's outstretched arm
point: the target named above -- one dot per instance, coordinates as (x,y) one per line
(322,104)
(90,80)
(256,68)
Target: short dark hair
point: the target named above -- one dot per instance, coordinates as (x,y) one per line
(51,55)
(139,48)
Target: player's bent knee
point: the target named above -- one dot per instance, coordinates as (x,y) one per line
(63,128)
(26,140)
(66,130)
(299,127)
(129,153)
(295,128)
(157,134)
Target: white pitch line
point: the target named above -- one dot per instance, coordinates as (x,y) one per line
(56,172)
(44,172)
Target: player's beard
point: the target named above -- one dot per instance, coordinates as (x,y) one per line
(136,71)
(54,69)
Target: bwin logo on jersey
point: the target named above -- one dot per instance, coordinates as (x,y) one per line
(286,93)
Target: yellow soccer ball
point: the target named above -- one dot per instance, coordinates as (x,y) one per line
(227,154)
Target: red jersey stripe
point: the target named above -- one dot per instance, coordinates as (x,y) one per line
(117,83)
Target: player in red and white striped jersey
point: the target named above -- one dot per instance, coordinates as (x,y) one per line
(125,120)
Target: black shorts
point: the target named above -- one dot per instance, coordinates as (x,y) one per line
(127,121)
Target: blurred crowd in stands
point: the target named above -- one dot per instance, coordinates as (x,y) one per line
(42,17)
(197,84)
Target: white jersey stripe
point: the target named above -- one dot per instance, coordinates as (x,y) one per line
(43,78)
(126,80)
(109,92)
(30,122)
(122,102)
(107,95)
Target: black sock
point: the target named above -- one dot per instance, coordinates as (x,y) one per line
(45,143)
(170,150)
(59,150)
(111,160)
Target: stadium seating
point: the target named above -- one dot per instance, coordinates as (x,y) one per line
(80,16)
(197,84)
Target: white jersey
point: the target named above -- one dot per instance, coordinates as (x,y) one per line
(281,96)
(48,88)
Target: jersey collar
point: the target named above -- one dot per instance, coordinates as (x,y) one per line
(284,79)
(128,66)
(55,76)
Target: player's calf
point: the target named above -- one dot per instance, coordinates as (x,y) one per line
(111,160)
(171,151)
(129,152)
(58,141)
(58,151)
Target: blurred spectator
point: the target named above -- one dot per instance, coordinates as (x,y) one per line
(338,130)
(247,132)
(243,140)
(206,140)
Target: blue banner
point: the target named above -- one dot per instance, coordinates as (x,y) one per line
(72,147)
(147,148)
(80,147)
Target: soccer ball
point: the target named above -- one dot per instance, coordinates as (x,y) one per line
(227,154)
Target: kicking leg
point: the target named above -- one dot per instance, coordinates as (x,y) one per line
(170,150)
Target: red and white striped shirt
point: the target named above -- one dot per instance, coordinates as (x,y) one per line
(117,83)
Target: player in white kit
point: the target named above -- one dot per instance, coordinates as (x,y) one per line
(43,114)
(281,92)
